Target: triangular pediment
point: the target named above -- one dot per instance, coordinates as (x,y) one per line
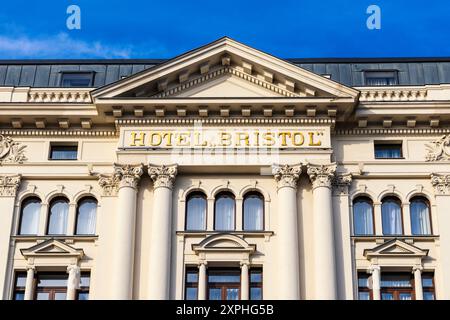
(52,247)
(225,68)
(395,248)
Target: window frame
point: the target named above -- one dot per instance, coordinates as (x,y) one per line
(255,284)
(369,201)
(364,289)
(373,71)
(190,269)
(392,197)
(378,143)
(396,291)
(17,289)
(429,289)
(233,197)
(90,73)
(261,197)
(63,144)
(50,290)
(224,285)
(21,215)
(427,202)
(84,289)
(189,196)
(77,215)
(57,198)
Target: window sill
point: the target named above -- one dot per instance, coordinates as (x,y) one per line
(58,237)
(402,237)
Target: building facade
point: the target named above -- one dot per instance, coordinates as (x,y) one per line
(225,173)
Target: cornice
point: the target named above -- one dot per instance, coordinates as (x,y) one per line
(391,131)
(75,133)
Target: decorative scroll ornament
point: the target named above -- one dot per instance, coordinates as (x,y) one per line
(439,150)
(321,175)
(11,151)
(341,184)
(286,175)
(441,183)
(9,185)
(163,176)
(123,176)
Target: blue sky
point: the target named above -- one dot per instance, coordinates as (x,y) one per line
(163,29)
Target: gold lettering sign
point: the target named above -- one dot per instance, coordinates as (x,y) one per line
(226,138)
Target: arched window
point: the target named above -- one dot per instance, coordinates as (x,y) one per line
(363,216)
(29,216)
(253,211)
(86,216)
(196,211)
(420,216)
(224,211)
(57,218)
(391,214)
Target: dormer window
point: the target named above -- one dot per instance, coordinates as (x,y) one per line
(381,78)
(77,79)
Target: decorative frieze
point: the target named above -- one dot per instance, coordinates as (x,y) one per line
(321,175)
(11,151)
(59,96)
(341,184)
(439,150)
(286,175)
(163,176)
(9,185)
(397,94)
(441,183)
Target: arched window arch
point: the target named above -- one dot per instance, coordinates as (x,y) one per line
(363,222)
(196,211)
(419,208)
(224,211)
(29,216)
(86,216)
(57,216)
(253,211)
(391,215)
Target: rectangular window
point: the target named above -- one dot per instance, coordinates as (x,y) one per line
(77,79)
(388,150)
(85,282)
(59,151)
(191,292)
(428,286)
(19,286)
(363,287)
(256,280)
(397,286)
(381,78)
(51,286)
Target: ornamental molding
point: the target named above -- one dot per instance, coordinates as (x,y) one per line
(59,96)
(321,175)
(341,184)
(287,175)
(40,133)
(393,94)
(441,183)
(429,131)
(9,185)
(123,176)
(11,151)
(133,122)
(439,150)
(163,176)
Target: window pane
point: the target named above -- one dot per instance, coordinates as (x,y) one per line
(43,296)
(83,296)
(76,79)
(388,151)
(60,296)
(224,212)
(85,281)
(19,296)
(63,153)
(86,218)
(396,281)
(420,217)
(191,294)
(363,282)
(363,217)
(427,282)
(364,296)
(59,210)
(53,280)
(392,217)
(215,294)
(21,280)
(253,212)
(192,277)
(255,294)
(31,209)
(381,78)
(428,296)
(225,278)
(232,294)
(387,296)
(405,296)
(256,277)
(196,213)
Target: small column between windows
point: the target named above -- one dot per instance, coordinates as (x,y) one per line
(245,286)
(417,271)
(376,281)
(202,280)
(73,281)
(29,285)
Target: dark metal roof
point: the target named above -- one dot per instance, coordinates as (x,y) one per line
(348,71)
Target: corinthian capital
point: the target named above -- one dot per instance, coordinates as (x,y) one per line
(341,183)
(286,175)
(321,175)
(129,175)
(9,185)
(163,176)
(441,183)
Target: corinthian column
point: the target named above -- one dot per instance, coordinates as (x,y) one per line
(160,238)
(324,255)
(124,180)
(287,236)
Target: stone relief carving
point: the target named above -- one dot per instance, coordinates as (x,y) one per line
(441,183)
(341,184)
(163,176)
(11,151)
(286,175)
(9,185)
(321,175)
(439,149)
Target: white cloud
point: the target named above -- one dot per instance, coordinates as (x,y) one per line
(58,46)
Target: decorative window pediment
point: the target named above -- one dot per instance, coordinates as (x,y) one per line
(224,242)
(52,252)
(396,252)
(225,67)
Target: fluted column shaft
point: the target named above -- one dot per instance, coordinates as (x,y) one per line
(160,237)
(324,254)
(287,235)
